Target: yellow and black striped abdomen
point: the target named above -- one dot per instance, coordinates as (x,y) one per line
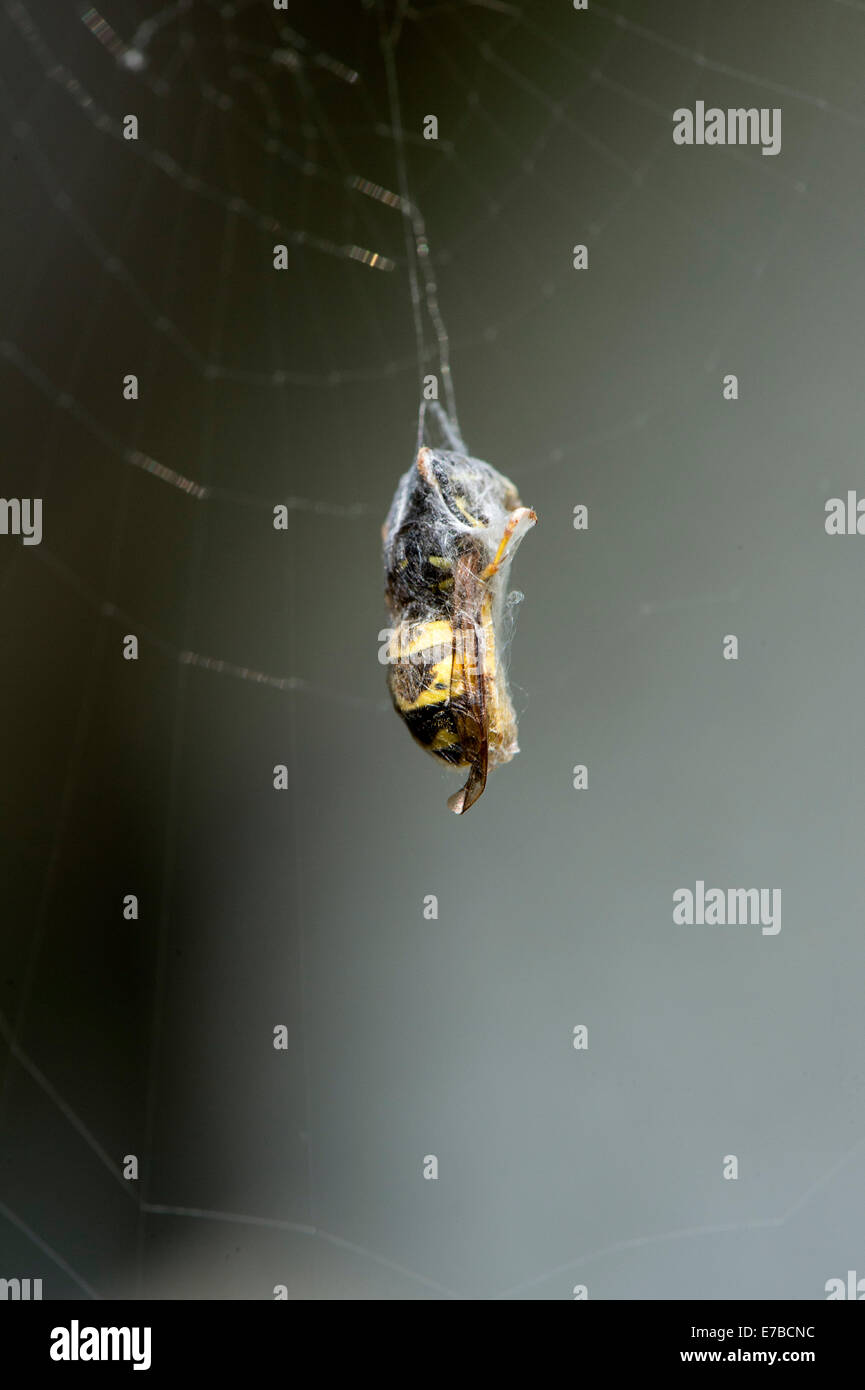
(424,685)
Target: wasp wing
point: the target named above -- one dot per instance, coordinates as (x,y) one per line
(468,680)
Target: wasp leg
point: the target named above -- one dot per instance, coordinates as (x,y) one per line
(518,524)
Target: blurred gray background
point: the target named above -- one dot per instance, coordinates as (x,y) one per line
(409,1037)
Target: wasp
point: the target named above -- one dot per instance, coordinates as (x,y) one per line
(449,539)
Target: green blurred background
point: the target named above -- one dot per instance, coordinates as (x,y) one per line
(409,1037)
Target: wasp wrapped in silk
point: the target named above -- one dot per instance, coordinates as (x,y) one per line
(449,539)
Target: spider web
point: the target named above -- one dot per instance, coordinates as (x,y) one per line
(154,256)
